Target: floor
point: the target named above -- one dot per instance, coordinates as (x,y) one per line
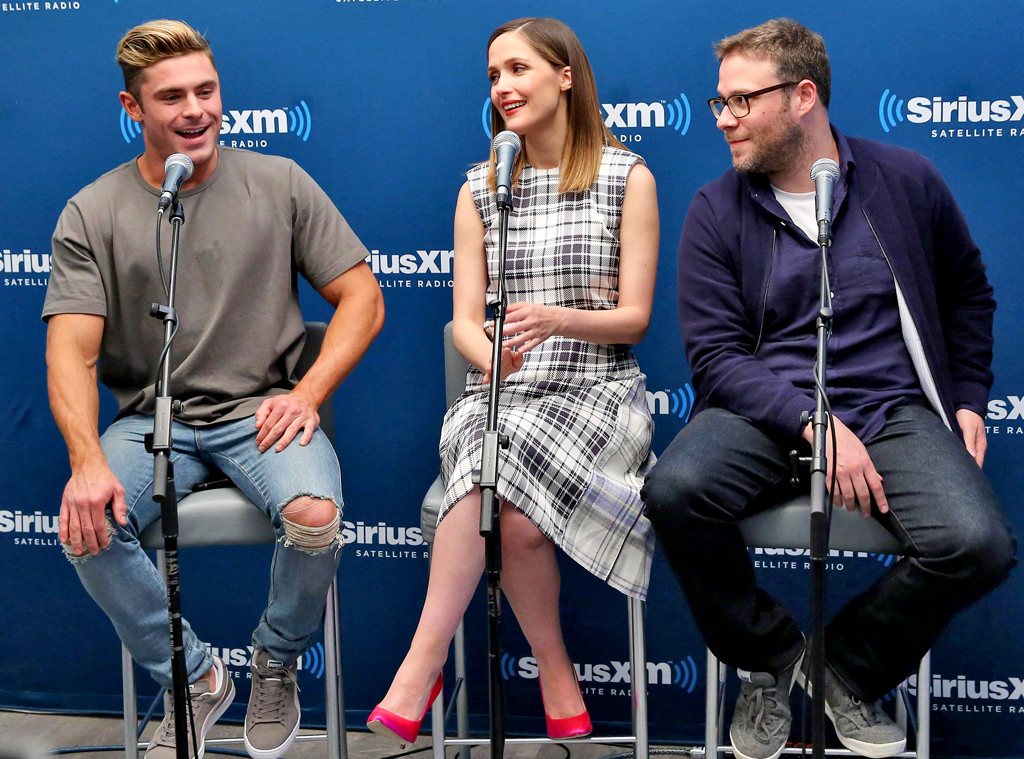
(49,731)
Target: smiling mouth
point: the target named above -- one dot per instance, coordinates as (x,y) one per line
(189,133)
(509,107)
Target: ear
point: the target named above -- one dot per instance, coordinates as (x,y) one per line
(806,96)
(565,81)
(131,106)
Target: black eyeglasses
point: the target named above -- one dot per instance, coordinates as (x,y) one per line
(739,105)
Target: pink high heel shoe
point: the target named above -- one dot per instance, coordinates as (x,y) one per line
(388,724)
(560,728)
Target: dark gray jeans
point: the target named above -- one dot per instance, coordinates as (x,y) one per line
(957,544)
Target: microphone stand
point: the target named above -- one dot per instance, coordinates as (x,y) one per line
(820,502)
(164,493)
(487,479)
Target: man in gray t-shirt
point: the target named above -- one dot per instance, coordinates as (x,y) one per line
(253,223)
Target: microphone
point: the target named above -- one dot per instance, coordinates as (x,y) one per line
(177,169)
(824,173)
(506,147)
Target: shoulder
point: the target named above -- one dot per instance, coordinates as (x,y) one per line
(248,163)
(619,162)
(107,185)
(891,160)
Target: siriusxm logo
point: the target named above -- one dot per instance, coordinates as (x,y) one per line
(960,687)
(380,534)
(923,110)
(312,661)
(35,523)
(682,673)
(673,113)
(885,559)
(420,262)
(296,120)
(1009,408)
(25,262)
(678,402)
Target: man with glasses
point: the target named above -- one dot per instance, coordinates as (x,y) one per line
(908,377)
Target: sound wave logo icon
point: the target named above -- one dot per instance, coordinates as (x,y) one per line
(890,110)
(685,674)
(679,119)
(313,661)
(676,402)
(129,129)
(508,666)
(300,121)
(885,559)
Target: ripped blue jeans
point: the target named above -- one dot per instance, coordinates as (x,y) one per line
(126,584)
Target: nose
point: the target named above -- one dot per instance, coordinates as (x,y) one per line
(726,120)
(190,106)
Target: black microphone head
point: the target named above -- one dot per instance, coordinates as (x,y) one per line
(824,166)
(179,159)
(508,137)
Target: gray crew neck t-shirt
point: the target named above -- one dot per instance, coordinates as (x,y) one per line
(249,230)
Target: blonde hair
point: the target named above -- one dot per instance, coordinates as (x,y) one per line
(151,43)
(797,52)
(587,135)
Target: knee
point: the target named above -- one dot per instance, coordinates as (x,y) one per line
(518,534)
(983,553)
(670,491)
(311,524)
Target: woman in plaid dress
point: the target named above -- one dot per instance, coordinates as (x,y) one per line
(582,255)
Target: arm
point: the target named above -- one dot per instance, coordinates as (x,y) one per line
(358,317)
(72,350)
(530,324)
(718,318)
(469,291)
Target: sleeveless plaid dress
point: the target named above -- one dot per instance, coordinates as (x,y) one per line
(576,412)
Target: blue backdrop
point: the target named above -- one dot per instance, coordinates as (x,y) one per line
(381,101)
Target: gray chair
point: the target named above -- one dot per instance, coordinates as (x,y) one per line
(222,516)
(455,367)
(788,525)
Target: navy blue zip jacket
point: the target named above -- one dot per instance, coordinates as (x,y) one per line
(725,256)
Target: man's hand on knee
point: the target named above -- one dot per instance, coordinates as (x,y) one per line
(83,526)
(280,418)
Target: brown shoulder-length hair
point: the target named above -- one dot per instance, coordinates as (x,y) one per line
(587,134)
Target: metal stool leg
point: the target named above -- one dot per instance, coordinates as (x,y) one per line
(131,708)
(711,707)
(638,675)
(924,714)
(337,745)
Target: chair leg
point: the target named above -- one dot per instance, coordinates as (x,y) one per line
(638,676)
(462,699)
(131,709)
(337,745)
(924,714)
(713,722)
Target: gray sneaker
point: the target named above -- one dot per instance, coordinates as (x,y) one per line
(863,728)
(207,706)
(762,718)
(272,721)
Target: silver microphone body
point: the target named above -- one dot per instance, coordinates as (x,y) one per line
(177,170)
(506,146)
(824,173)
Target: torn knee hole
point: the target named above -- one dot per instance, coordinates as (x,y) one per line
(316,537)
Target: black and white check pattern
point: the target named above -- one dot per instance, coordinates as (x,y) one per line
(576,412)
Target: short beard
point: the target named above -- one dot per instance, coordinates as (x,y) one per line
(779,155)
